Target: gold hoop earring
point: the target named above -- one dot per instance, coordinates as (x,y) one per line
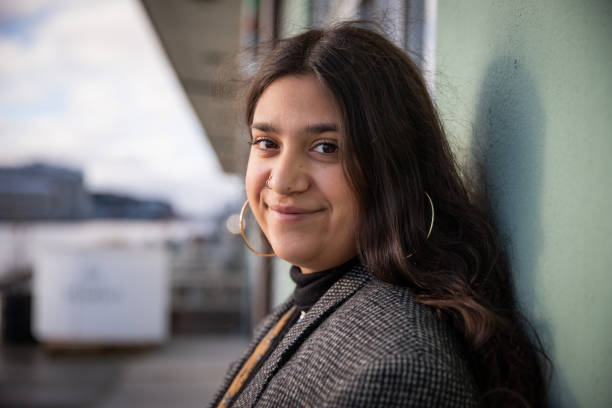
(433,215)
(431,224)
(244,238)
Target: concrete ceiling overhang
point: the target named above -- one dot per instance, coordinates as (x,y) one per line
(201,38)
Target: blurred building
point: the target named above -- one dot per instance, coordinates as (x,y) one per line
(108,205)
(47,192)
(41,191)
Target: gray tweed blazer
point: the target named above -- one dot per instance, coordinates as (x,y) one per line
(363,344)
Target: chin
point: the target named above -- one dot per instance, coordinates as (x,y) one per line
(293,257)
(299,256)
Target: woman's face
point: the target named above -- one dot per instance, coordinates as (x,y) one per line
(295,180)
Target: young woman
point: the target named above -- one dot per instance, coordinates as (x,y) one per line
(403,296)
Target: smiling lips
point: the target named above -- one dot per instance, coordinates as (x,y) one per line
(291,213)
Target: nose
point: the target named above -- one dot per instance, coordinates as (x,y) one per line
(289,175)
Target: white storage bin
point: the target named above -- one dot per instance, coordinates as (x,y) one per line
(101,296)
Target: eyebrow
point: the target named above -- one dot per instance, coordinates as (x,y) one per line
(315,128)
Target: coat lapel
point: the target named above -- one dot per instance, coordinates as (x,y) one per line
(260,332)
(330,301)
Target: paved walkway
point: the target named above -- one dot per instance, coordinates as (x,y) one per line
(182,374)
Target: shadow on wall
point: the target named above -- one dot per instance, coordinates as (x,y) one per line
(509,149)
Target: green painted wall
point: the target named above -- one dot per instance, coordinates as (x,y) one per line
(527,86)
(294,17)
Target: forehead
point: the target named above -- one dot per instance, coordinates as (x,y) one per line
(297,101)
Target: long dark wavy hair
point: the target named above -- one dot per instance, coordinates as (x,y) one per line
(395,151)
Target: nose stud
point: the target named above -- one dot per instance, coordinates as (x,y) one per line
(267,183)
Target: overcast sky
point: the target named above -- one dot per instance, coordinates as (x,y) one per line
(85,83)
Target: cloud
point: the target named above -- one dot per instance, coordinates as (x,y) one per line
(93,90)
(21,8)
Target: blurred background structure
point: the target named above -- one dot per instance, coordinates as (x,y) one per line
(122,153)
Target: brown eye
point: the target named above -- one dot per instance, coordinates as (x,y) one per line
(326,148)
(264,144)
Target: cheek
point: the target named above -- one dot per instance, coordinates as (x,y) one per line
(254,182)
(339,192)
(251,180)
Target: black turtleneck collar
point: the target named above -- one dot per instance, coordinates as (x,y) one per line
(311,286)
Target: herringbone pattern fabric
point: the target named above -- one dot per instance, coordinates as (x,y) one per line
(363,344)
